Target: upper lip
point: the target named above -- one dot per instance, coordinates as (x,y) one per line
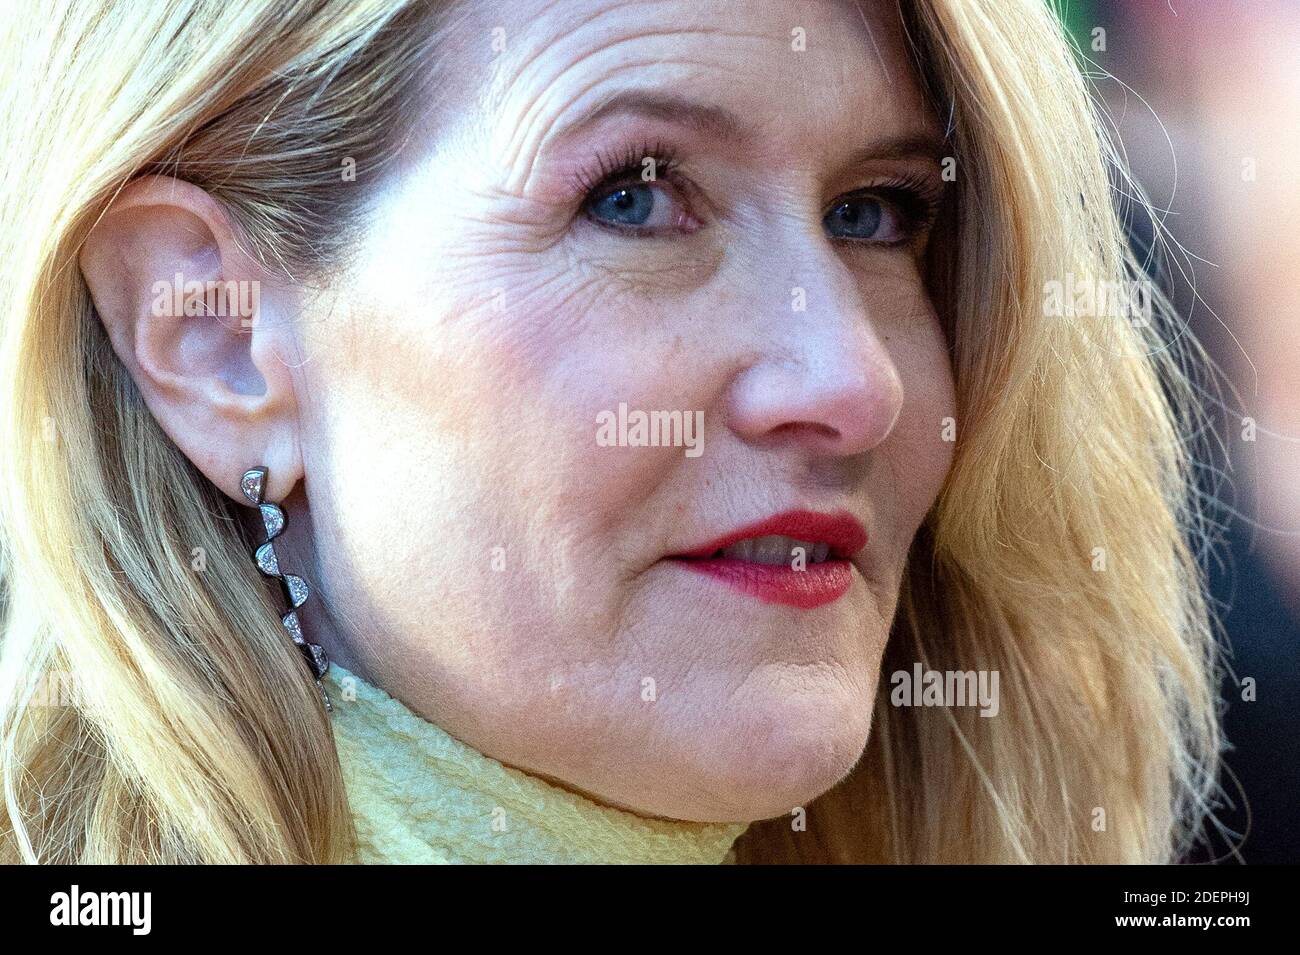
(840,529)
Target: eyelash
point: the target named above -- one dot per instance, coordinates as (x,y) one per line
(916,197)
(612,168)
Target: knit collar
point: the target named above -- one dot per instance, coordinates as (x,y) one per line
(419,795)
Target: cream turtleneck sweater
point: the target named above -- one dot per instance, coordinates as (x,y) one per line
(419,795)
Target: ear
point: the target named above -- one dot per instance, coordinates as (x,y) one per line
(201,328)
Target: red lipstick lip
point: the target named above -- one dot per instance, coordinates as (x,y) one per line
(841,530)
(811,586)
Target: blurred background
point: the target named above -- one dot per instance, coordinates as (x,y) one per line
(1204,97)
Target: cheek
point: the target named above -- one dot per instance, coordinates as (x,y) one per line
(919,451)
(460,426)
(500,350)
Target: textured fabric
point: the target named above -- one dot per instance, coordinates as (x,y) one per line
(419,795)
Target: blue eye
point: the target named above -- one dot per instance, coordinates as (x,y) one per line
(627,205)
(862,217)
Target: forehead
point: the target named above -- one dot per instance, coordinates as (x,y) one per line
(791,69)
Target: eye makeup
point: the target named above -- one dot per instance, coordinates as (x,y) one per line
(643,181)
(913,197)
(631,162)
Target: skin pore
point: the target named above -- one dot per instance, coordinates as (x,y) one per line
(430,417)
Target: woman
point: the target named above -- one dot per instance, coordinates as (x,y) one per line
(669,411)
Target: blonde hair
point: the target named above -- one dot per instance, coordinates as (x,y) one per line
(191,733)
(1059,551)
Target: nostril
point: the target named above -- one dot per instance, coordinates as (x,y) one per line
(797,429)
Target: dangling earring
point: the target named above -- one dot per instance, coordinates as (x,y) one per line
(295,588)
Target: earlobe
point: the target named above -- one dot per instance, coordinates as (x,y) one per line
(201,327)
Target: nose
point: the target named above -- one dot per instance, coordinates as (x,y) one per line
(822,379)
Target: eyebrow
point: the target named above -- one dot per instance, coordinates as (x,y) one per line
(915,146)
(721,123)
(717,121)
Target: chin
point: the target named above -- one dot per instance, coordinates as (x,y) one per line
(783,747)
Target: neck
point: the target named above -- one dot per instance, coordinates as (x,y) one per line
(419,795)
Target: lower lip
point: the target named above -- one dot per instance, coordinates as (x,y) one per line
(815,585)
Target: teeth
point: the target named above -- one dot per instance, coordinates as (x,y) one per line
(775,550)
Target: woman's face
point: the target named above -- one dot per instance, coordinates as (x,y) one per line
(714,210)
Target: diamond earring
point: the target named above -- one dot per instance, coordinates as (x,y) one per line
(295,588)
